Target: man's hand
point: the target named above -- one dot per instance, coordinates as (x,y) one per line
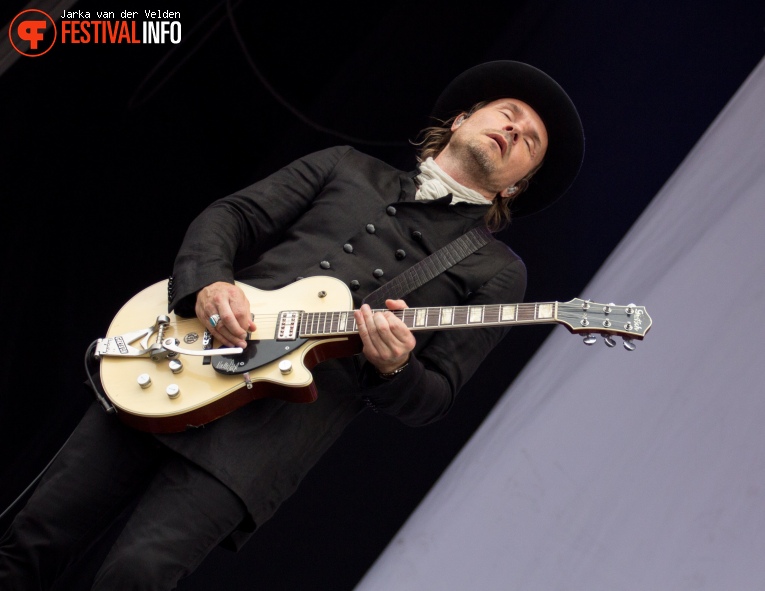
(387,341)
(229,302)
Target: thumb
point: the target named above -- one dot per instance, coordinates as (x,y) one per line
(396,304)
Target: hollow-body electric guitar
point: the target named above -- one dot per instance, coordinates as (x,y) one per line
(170,376)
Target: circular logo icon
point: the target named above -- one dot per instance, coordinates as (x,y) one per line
(32,33)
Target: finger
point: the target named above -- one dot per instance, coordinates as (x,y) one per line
(382,325)
(364,322)
(401,333)
(227,329)
(367,331)
(396,305)
(245,321)
(396,335)
(229,323)
(240,307)
(392,339)
(220,332)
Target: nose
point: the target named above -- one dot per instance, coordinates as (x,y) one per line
(512,133)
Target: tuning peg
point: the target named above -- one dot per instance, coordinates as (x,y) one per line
(629,344)
(589,339)
(609,341)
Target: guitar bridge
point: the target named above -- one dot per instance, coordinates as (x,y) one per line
(287,325)
(122,345)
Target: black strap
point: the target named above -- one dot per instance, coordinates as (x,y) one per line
(429,267)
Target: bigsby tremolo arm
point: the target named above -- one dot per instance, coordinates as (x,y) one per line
(171,345)
(162,348)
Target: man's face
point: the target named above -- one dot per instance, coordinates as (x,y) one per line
(501,142)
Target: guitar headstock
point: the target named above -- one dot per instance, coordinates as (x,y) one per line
(590,318)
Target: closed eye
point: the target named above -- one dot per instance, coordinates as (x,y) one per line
(510,109)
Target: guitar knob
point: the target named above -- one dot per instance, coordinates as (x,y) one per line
(173,391)
(176,366)
(285,366)
(629,344)
(144,380)
(589,339)
(610,342)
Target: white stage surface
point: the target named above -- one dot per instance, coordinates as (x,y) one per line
(602,469)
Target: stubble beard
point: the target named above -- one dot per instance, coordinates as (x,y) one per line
(480,163)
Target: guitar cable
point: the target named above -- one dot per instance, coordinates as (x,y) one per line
(101,399)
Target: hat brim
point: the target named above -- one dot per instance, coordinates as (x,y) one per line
(510,79)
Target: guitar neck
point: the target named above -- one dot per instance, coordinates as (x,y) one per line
(577,315)
(324,324)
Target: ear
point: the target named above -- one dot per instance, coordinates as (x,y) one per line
(459,121)
(509,192)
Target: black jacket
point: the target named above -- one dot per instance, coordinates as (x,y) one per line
(340,213)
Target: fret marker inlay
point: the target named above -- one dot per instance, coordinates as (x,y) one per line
(508,313)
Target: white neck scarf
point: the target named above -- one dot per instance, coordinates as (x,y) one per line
(434,183)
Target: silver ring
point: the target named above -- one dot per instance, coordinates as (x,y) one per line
(214,320)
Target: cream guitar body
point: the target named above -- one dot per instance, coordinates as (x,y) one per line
(160,391)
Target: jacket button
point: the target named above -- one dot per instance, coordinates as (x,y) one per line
(348,248)
(355,285)
(325,265)
(378,273)
(390,210)
(371,228)
(417,235)
(400,254)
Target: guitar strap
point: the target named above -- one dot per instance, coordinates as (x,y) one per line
(426,269)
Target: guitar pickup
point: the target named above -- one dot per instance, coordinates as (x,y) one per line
(287,325)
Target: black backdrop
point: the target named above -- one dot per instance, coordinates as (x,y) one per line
(108,152)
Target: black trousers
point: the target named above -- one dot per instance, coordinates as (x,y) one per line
(179,512)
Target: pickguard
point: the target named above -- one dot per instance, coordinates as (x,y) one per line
(256,354)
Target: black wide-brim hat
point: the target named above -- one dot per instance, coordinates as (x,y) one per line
(510,79)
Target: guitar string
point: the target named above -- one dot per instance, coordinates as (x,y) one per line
(526,311)
(524,308)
